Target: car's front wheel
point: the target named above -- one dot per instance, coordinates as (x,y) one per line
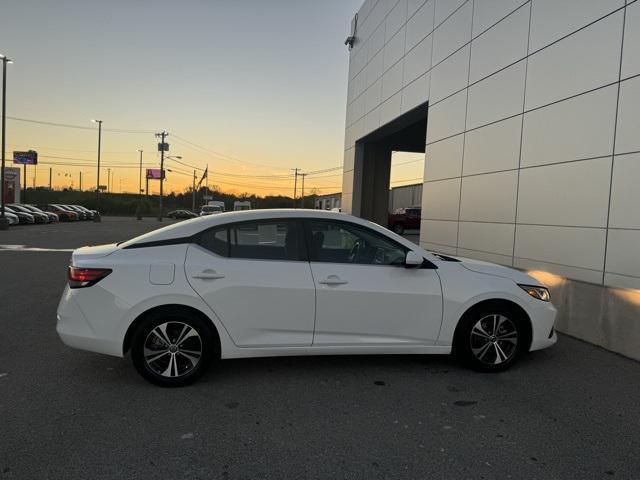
(491,338)
(172,348)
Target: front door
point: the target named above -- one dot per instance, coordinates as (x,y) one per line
(364,294)
(254,275)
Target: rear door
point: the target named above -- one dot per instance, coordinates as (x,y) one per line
(256,277)
(364,294)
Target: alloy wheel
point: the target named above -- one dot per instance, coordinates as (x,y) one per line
(172,349)
(494,339)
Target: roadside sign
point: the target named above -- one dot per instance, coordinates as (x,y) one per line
(163,147)
(154,174)
(26,158)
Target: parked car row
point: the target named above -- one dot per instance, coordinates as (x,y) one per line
(25,214)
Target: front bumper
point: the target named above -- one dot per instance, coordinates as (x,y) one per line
(543,317)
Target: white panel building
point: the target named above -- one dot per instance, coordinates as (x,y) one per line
(529,117)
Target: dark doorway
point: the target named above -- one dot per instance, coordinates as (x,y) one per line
(372,163)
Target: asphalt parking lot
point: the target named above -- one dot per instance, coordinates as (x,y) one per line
(572,411)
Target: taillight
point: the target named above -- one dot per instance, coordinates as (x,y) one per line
(85,277)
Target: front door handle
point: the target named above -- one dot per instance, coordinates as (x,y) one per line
(333,280)
(208,275)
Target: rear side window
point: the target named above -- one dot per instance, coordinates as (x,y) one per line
(256,240)
(266,240)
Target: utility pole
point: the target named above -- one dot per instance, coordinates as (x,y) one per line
(295,186)
(99,122)
(4,223)
(50,174)
(193,193)
(161,147)
(80,181)
(108,180)
(302,199)
(24,194)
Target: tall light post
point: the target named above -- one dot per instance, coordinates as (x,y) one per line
(140,179)
(4,223)
(193,193)
(81,174)
(99,122)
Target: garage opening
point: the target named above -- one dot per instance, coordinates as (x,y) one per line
(385,160)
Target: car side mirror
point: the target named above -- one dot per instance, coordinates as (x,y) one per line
(413,259)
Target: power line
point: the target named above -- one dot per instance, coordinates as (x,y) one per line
(78,127)
(219,155)
(325,170)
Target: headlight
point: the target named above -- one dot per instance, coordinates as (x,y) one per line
(541,293)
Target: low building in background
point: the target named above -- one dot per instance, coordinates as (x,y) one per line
(405,197)
(329,201)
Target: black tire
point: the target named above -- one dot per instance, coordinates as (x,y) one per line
(479,346)
(180,365)
(398,228)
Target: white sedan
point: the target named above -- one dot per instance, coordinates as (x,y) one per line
(293,282)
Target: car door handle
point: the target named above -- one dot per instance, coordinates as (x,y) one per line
(208,275)
(333,280)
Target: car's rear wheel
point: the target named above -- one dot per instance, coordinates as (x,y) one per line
(398,228)
(172,348)
(491,338)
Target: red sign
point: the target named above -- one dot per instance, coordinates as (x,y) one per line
(154,174)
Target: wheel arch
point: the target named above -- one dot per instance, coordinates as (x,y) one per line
(188,310)
(495,302)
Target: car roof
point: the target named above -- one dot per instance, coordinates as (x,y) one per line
(190,227)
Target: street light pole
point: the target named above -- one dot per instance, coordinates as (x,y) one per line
(193,193)
(140,179)
(4,223)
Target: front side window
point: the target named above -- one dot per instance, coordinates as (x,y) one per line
(339,242)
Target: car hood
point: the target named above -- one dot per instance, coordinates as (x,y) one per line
(488,268)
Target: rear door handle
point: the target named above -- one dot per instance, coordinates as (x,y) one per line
(208,275)
(333,280)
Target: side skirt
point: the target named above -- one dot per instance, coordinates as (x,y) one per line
(335,350)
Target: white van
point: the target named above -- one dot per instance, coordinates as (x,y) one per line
(210,210)
(241,205)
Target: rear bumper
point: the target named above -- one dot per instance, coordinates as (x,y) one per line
(75,331)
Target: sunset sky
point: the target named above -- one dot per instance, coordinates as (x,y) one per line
(250,88)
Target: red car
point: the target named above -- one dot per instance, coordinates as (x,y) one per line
(63,214)
(405,219)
